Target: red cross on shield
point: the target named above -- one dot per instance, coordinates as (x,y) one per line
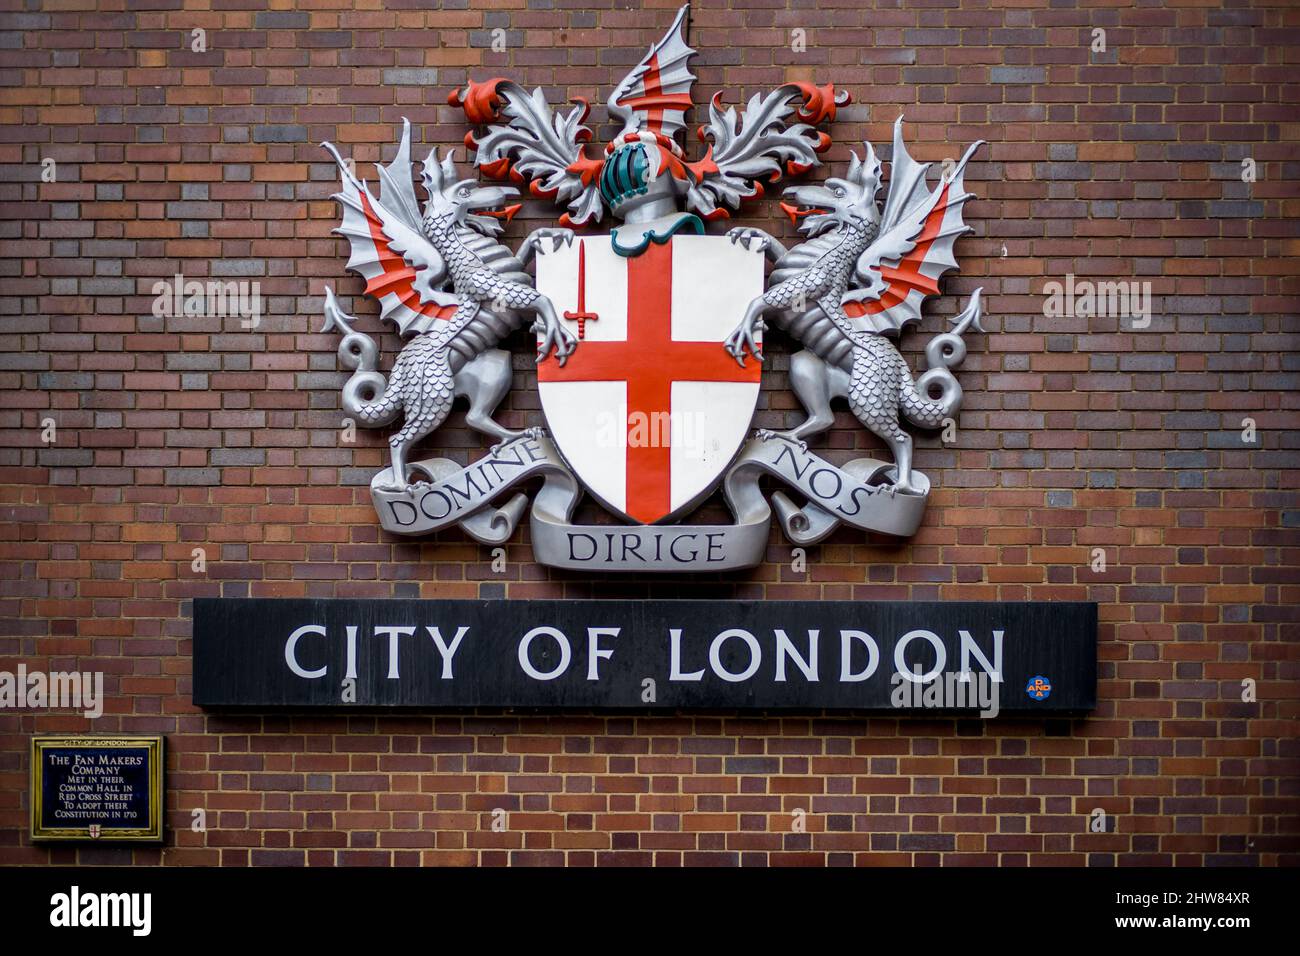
(650,409)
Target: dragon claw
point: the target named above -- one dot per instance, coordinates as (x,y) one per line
(510,435)
(748,236)
(742,340)
(394,485)
(767,434)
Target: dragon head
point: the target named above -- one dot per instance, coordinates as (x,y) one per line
(838,203)
(465,201)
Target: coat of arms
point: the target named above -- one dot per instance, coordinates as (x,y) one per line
(649,337)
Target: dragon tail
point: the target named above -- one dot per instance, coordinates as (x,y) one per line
(367,396)
(937,394)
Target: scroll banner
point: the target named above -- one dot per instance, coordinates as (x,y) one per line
(856,493)
(462,495)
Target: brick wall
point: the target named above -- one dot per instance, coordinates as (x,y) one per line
(1077,434)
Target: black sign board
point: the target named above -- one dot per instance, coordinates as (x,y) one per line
(703,655)
(97,788)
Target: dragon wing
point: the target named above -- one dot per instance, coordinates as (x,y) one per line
(527,141)
(758,144)
(914,246)
(657,93)
(402,268)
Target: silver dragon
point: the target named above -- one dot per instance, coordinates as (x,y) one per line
(879,264)
(441,275)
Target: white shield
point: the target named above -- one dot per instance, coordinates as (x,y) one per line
(650,409)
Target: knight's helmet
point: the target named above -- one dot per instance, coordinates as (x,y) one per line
(636,173)
(651,103)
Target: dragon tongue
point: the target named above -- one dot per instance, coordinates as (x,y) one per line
(506,214)
(795,213)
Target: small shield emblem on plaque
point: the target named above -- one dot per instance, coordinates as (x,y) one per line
(94,831)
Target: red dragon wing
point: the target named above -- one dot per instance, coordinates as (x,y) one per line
(401,267)
(914,247)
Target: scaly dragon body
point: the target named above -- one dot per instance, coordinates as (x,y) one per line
(812,273)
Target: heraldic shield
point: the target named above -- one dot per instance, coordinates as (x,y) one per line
(649,409)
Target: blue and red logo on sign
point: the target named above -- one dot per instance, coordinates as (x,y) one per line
(1039,688)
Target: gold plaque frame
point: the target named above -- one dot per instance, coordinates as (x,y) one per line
(41,829)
